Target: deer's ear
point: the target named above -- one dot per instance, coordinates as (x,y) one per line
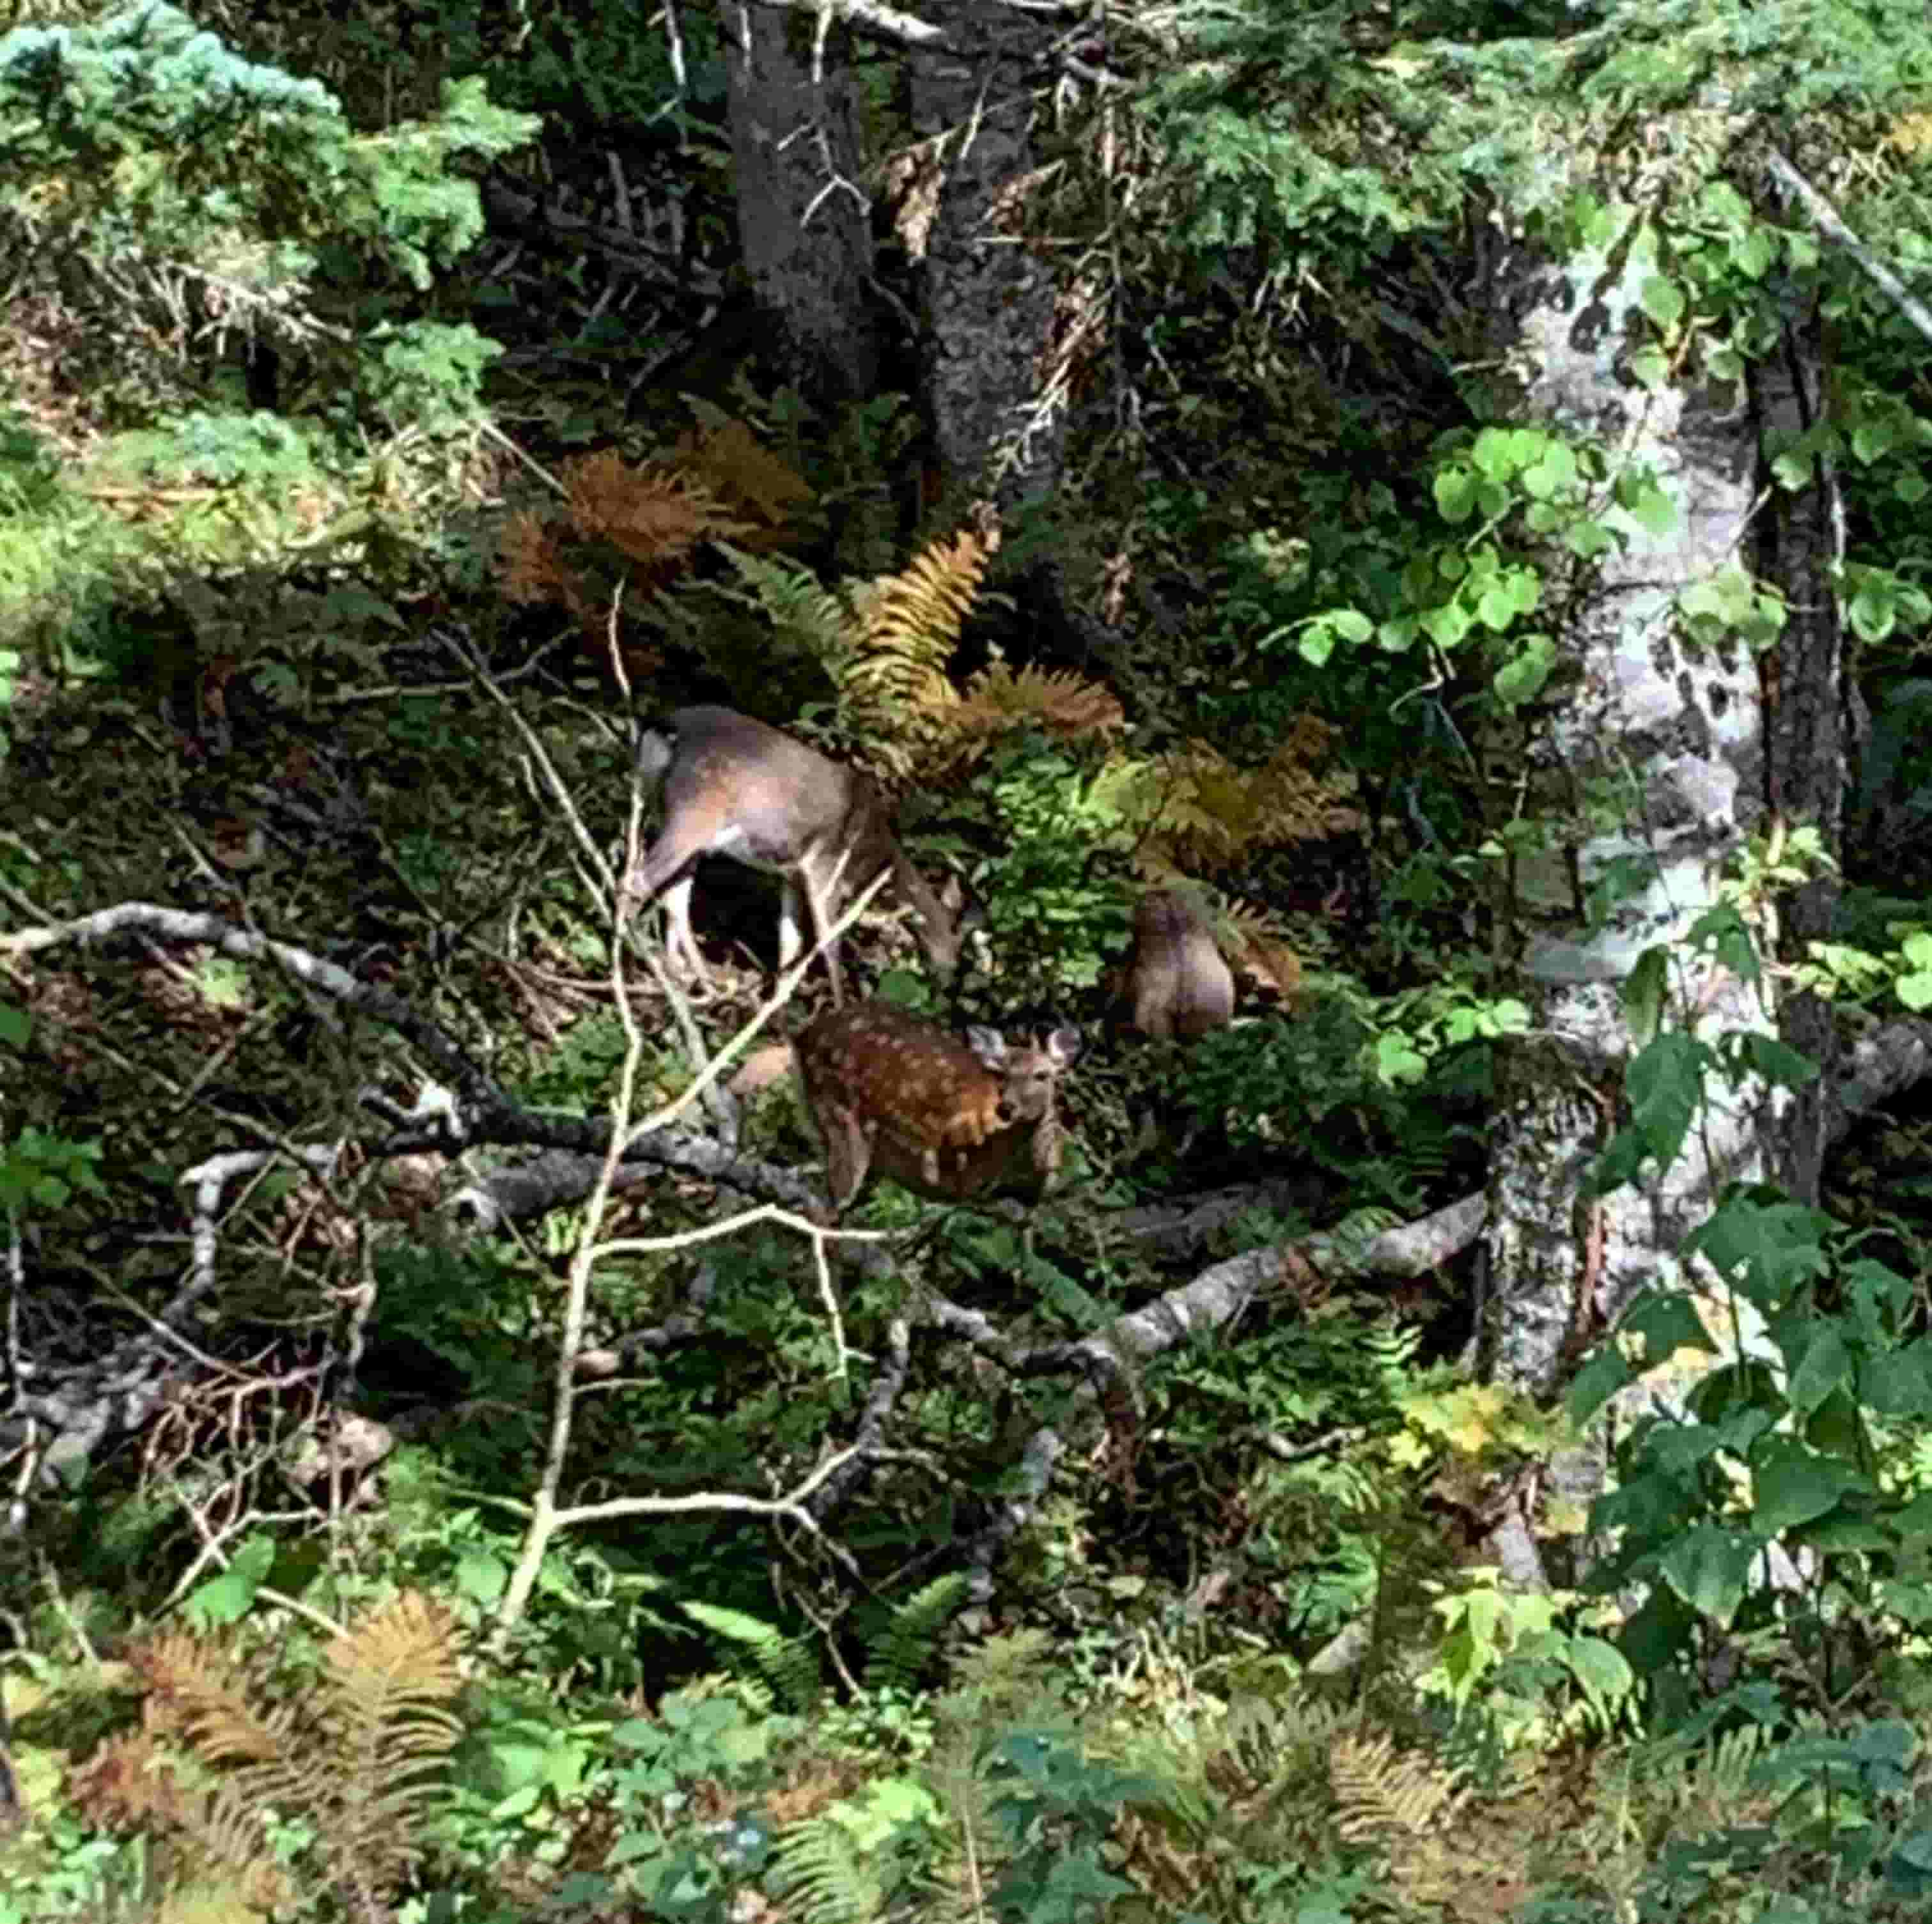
(989,1045)
(1064,1045)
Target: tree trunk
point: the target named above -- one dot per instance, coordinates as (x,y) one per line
(804,224)
(1800,543)
(1675,730)
(989,296)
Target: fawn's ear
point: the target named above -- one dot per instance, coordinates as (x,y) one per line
(961,899)
(651,748)
(989,1045)
(1063,1046)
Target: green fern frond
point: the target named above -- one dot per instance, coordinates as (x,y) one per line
(790,1665)
(818,1865)
(902,1649)
(806,617)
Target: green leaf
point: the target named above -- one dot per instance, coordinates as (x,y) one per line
(1596,1383)
(1664,1084)
(1601,1668)
(1898,1382)
(1666,1321)
(226,1599)
(1792,1484)
(1663,300)
(1709,1568)
(1825,1365)
(1644,991)
(1455,491)
(482,1575)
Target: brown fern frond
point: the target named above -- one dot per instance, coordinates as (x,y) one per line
(1297,795)
(651,515)
(131,1783)
(360,1756)
(224,1830)
(193,1691)
(389,1680)
(527,560)
(1000,697)
(1196,809)
(401,1657)
(1252,942)
(387,1734)
(734,467)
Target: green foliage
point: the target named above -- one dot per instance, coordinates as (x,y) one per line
(683,1867)
(1815,1828)
(427,374)
(153,127)
(1533,487)
(1326,1080)
(843,1866)
(1519,1650)
(232,194)
(902,1647)
(1057,1809)
(40,1171)
(256,451)
(1802,1446)
(788,1663)
(1058,898)
(30,472)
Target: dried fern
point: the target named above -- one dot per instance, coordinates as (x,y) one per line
(196,1693)
(1252,939)
(1194,808)
(895,695)
(733,466)
(382,1713)
(359,1755)
(1381,1792)
(1000,697)
(647,521)
(652,515)
(210,1833)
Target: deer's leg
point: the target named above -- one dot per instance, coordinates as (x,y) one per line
(681,950)
(848,1154)
(806,890)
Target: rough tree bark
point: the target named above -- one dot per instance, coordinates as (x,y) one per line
(804,222)
(1799,544)
(989,297)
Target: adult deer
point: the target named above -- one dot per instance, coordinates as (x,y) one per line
(734,787)
(893,1095)
(1178,982)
